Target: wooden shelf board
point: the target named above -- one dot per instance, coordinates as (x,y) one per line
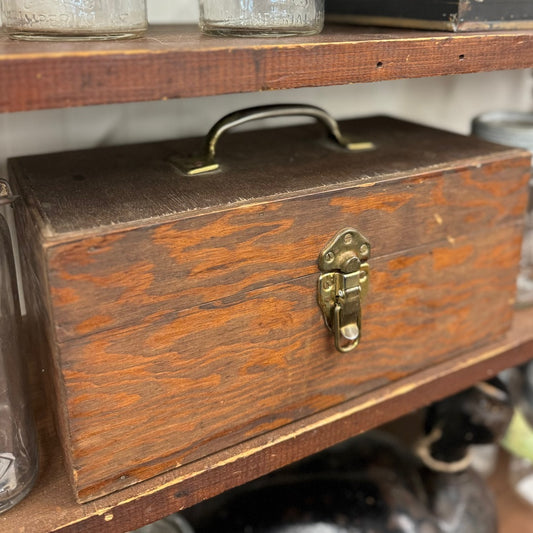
(177,62)
(51,505)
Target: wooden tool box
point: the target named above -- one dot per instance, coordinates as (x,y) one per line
(181,315)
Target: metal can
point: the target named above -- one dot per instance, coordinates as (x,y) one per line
(514,129)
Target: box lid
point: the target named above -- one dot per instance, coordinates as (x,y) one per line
(101,190)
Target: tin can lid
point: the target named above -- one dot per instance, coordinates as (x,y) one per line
(511,128)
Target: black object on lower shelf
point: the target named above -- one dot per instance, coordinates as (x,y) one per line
(374,483)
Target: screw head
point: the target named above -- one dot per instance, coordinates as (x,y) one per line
(348,238)
(364,250)
(330,256)
(327,284)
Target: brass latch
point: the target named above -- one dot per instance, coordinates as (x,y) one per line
(343,285)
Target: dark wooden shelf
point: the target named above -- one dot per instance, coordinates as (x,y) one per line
(51,505)
(177,62)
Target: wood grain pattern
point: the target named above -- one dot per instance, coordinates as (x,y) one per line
(175,336)
(79,193)
(235,368)
(178,62)
(41,348)
(190,262)
(51,505)
(250,225)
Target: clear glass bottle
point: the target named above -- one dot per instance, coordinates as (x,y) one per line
(74,19)
(514,129)
(243,18)
(18,443)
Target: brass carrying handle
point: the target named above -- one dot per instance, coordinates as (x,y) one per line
(207,161)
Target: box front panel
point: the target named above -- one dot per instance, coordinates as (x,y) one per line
(116,280)
(177,387)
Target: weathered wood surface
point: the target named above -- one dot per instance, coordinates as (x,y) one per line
(51,505)
(180,386)
(251,225)
(182,335)
(178,62)
(194,261)
(80,192)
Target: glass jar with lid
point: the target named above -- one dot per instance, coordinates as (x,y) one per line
(74,19)
(18,443)
(243,18)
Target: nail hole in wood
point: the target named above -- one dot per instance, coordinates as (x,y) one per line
(379,64)
(461,57)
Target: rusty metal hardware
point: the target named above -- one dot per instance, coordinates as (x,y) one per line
(343,285)
(206,161)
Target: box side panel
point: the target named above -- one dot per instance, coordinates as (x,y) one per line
(178,387)
(118,280)
(38,320)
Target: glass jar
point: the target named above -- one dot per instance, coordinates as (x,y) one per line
(18,443)
(74,19)
(514,129)
(243,18)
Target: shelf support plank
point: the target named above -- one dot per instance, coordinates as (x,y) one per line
(179,62)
